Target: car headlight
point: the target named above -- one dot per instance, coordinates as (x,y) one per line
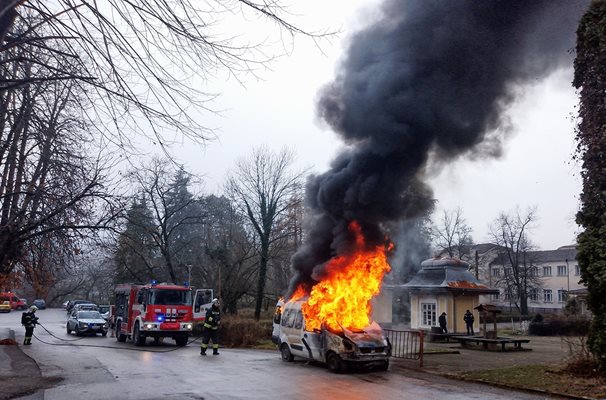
(82,324)
(149,326)
(187,326)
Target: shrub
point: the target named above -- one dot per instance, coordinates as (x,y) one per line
(243,332)
(558,325)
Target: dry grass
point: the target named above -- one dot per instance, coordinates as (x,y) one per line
(240,331)
(541,377)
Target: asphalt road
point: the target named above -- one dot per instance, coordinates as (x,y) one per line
(102,368)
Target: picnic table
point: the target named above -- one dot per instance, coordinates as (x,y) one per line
(466,340)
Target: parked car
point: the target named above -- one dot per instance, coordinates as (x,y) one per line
(5,306)
(104,311)
(40,303)
(82,322)
(24,302)
(72,303)
(85,307)
(15,302)
(65,304)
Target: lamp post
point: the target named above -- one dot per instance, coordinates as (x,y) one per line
(189,267)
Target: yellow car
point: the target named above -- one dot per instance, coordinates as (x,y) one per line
(5,306)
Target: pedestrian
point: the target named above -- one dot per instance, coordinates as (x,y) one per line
(469,320)
(29,321)
(211,328)
(442,321)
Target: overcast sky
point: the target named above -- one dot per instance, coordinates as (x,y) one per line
(536,169)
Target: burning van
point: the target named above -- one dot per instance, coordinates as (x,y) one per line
(367,347)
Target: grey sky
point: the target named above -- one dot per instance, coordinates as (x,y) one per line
(536,169)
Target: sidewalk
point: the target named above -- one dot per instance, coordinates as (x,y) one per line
(19,374)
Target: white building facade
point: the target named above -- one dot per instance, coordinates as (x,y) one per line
(554,274)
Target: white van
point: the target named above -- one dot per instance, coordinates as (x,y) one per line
(365,348)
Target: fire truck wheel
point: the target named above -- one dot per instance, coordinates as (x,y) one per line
(68,330)
(181,341)
(334,363)
(286,354)
(138,338)
(119,337)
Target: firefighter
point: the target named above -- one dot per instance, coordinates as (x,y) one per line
(211,328)
(29,321)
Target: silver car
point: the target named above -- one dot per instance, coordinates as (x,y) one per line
(83,322)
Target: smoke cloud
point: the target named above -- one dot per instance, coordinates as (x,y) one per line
(429,81)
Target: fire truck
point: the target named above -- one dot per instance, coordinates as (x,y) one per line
(156,310)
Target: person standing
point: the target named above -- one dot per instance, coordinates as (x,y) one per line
(211,328)
(442,321)
(469,320)
(29,321)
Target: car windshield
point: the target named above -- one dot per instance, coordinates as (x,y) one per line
(103,309)
(89,315)
(169,297)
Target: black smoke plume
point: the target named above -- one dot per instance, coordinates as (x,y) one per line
(428,81)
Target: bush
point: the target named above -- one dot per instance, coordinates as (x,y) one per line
(243,332)
(558,325)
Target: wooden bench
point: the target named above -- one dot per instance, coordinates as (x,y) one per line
(517,343)
(436,337)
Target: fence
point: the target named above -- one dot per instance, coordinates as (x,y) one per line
(407,344)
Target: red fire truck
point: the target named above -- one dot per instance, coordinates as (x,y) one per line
(156,310)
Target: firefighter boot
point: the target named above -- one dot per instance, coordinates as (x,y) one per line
(215,352)
(202,352)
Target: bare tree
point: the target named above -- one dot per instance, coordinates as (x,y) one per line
(264,187)
(47,183)
(175,214)
(510,232)
(452,235)
(138,59)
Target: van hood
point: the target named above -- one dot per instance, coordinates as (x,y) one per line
(370,336)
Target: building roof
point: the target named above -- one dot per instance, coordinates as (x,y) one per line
(449,274)
(562,254)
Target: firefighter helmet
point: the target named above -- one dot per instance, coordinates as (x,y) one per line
(215,302)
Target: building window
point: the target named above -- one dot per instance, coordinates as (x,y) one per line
(534,271)
(508,271)
(547,271)
(577,270)
(561,296)
(428,314)
(533,295)
(494,297)
(496,272)
(547,295)
(562,270)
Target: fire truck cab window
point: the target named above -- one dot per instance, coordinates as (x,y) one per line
(141,297)
(299,320)
(169,297)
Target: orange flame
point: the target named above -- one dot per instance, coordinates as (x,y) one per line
(343,297)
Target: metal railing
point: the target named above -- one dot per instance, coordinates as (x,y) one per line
(407,344)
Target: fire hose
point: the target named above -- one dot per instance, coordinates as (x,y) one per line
(103,346)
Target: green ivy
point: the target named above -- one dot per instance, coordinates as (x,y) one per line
(590,80)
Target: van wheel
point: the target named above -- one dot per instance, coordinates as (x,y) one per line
(384,366)
(68,330)
(286,354)
(334,363)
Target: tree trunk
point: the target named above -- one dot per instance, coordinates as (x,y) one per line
(262,275)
